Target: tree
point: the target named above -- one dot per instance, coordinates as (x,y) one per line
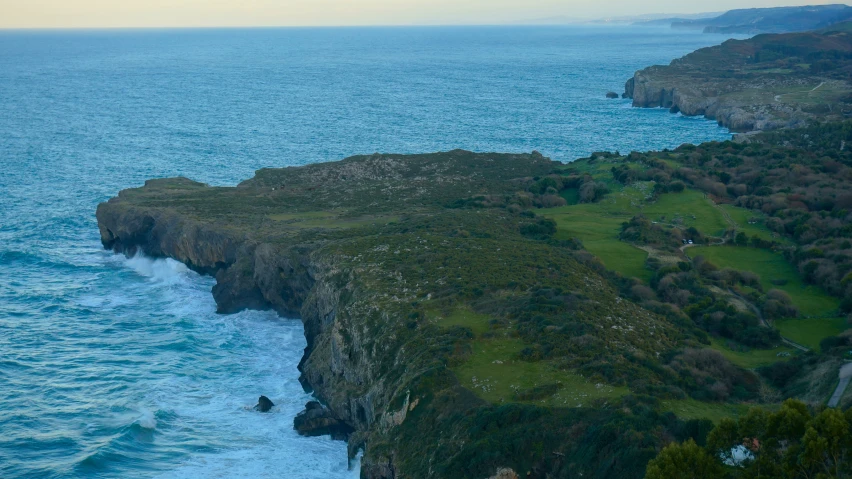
(788,443)
(684,461)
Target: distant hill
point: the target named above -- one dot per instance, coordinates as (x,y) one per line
(771,20)
(645,19)
(669,20)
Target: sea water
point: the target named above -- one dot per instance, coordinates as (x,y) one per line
(120,368)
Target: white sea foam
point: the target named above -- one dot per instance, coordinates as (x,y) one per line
(226,363)
(147,420)
(167,271)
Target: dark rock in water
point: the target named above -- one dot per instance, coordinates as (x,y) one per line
(612,95)
(316,420)
(264,404)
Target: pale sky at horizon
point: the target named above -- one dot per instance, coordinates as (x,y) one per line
(224,13)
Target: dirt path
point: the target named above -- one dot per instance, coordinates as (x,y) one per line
(845,375)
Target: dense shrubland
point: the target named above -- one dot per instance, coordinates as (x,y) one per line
(799,179)
(795,441)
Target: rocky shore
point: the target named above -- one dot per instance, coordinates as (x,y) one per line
(294,281)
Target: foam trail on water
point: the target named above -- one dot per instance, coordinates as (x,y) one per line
(218,366)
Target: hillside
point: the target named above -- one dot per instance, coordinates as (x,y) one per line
(770,20)
(520,313)
(763,83)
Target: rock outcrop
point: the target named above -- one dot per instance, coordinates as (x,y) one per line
(505,473)
(264,404)
(317,420)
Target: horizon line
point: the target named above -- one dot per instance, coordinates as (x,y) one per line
(591,23)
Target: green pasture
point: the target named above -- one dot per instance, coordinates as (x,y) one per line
(811,300)
(741,217)
(597,225)
(809,332)
(752,358)
(694,409)
(494,374)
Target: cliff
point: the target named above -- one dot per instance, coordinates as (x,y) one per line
(764,83)
(417,278)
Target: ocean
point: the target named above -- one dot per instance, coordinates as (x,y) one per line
(120,368)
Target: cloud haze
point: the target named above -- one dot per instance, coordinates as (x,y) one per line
(206,13)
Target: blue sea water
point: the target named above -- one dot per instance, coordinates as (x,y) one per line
(120,368)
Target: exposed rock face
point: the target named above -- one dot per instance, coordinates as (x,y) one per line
(748,86)
(649,90)
(264,404)
(265,276)
(317,420)
(612,95)
(505,473)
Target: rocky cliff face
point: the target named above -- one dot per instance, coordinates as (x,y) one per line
(265,276)
(651,88)
(751,85)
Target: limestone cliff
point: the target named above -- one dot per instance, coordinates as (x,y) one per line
(763,83)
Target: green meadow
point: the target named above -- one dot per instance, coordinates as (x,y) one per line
(494,373)
(749,358)
(809,332)
(811,300)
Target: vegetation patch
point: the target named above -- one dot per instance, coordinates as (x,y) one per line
(810,332)
(463,317)
(751,358)
(772,267)
(693,409)
(495,372)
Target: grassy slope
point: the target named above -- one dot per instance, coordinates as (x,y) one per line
(493,371)
(598,224)
(810,300)
(752,358)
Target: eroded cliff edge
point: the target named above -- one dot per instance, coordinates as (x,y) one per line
(763,83)
(399,266)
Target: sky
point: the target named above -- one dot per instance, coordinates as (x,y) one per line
(221,13)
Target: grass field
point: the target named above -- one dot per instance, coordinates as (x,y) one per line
(693,409)
(752,358)
(494,374)
(691,208)
(600,237)
(809,332)
(811,300)
(741,217)
(478,323)
(597,224)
